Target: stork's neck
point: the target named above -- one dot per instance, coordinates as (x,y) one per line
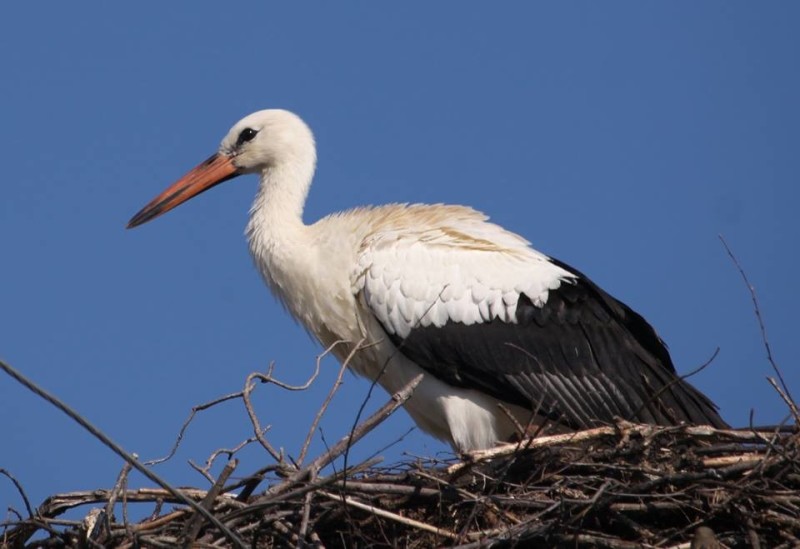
(276,231)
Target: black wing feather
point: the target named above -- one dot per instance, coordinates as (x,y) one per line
(583,358)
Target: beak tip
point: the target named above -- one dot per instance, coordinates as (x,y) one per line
(215,170)
(134,222)
(143,216)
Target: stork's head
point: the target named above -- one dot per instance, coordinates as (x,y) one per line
(259,142)
(265,139)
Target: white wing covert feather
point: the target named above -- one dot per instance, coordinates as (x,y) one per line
(468,271)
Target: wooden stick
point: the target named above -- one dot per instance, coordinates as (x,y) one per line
(196,522)
(700,431)
(391,516)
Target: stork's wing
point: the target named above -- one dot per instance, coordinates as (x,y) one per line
(476,307)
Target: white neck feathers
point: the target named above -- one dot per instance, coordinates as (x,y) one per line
(276,233)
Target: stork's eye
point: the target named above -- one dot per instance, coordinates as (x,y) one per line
(247,134)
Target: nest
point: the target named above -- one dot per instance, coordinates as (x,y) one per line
(619,486)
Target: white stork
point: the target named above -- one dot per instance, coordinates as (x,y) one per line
(439,290)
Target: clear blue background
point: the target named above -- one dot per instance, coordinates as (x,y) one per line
(621,138)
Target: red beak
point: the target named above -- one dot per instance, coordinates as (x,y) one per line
(215,170)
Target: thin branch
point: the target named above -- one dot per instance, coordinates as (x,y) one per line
(395,442)
(518,427)
(760,319)
(230,452)
(202,470)
(268,378)
(119,487)
(675,381)
(392,516)
(309,497)
(18,486)
(196,522)
(258,431)
(324,407)
(787,399)
(195,410)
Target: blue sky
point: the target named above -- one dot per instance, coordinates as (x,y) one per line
(621,138)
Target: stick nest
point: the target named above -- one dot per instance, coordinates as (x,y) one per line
(619,486)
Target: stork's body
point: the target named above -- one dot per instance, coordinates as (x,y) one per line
(373,284)
(439,290)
